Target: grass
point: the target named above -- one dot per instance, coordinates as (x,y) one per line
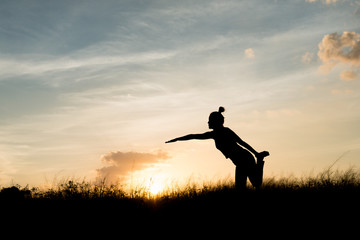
(328,181)
(283,205)
(337,192)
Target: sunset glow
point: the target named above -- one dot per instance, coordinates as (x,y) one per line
(93,89)
(156,188)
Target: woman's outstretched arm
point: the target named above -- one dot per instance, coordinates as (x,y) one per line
(200,136)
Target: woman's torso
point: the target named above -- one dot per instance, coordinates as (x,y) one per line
(226,141)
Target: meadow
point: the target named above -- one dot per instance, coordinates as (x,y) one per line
(330,199)
(326,185)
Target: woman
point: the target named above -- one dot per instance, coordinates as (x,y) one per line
(230,145)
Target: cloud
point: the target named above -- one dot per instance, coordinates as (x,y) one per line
(282,113)
(15,67)
(323,1)
(249,53)
(307,58)
(345,48)
(121,164)
(347,75)
(342,92)
(337,49)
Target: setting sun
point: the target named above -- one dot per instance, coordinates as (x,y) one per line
(156,188)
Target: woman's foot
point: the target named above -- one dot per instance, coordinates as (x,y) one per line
(260,157)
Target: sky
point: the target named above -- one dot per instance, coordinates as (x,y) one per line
(93,89)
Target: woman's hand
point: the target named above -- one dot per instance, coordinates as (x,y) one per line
(172,140)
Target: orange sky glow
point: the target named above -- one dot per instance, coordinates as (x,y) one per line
(93,90)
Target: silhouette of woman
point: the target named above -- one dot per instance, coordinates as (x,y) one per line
(230,145)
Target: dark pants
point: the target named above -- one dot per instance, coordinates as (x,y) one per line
(246,167)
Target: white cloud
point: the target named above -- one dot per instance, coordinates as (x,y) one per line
(120,164)
(347,75)
(335,49)
(14,67)
(283,113)
(307,58)
(323,1)
(342,92)
(345,48)
(249,53)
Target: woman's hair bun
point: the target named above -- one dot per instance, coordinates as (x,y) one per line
(221,109)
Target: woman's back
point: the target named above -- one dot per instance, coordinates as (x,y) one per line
(226,141)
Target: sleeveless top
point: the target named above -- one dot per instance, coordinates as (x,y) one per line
(226,141)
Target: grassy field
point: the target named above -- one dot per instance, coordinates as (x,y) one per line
(333,183)
(330,198)
(328,181)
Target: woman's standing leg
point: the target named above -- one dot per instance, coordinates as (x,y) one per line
(259,172)
(259,168)
(254,170)
(240,178)
(247,167)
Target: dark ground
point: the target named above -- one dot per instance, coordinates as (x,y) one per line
(319,207)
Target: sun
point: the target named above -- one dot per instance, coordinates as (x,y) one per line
(156,188)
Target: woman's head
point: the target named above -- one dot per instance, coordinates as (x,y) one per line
(216,119)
